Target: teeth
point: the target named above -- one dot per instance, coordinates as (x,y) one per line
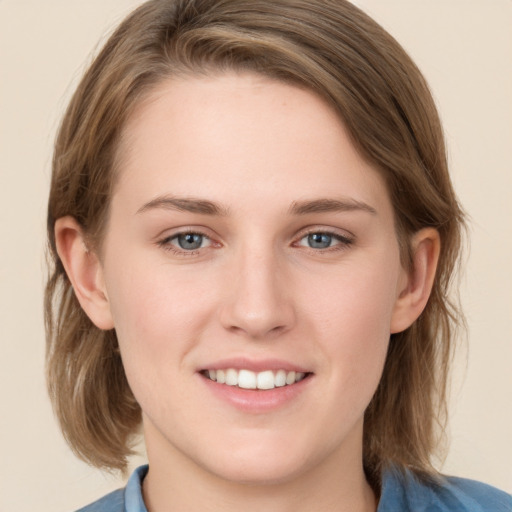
(290,378)
(231,377)
(266,380)
(248,379)
(280,379)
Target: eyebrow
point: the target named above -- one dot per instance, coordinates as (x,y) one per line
(330,205)
(191,205)
(205,207)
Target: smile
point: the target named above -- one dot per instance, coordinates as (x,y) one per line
(247,379)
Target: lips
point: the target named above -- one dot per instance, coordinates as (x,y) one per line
(255,386)
(249,379)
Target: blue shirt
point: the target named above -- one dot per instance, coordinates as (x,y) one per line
(399,494)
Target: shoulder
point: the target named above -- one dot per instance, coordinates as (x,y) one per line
(113,502)
(477,494)
(405,492)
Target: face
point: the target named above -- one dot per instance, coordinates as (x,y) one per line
(252,270)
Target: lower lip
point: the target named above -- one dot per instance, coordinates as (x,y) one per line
(257,401)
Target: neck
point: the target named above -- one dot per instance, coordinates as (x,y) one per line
(178,483)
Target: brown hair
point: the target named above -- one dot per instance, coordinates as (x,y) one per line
(331,48)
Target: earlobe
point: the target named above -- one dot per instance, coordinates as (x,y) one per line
(84,271)
(413,295)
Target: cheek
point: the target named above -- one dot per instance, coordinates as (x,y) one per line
(151,298)
(355,300)
(352,317)
(158,320)
(158,314)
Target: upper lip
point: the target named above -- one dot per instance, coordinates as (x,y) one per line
(255,365)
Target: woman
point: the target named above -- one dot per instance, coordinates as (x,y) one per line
(253,230)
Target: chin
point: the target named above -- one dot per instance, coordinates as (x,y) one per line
(262,461)
(255,472)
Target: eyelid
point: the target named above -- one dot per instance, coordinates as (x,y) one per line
(165,240)
(342,236)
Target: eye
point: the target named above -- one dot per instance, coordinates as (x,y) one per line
(186,242)
(189,241)
(323,240)
(319,240)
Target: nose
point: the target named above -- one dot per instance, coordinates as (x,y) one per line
(259,303)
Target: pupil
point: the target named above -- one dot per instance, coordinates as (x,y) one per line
(319,240)
(190,241)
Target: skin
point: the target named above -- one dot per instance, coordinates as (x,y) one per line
(264,153)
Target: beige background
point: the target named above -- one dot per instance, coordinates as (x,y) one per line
(465,49)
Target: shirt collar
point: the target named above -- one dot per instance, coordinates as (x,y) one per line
(133,501)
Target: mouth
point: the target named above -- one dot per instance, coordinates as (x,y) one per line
(248,379)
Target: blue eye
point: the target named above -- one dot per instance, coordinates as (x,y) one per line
(319,240)
(186,243)
(189,241)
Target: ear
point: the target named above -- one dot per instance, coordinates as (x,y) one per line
(84,270)
(417,283)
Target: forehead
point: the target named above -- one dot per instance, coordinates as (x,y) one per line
(239,135)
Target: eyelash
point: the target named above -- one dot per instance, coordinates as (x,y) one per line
(342,242)
(166,243)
